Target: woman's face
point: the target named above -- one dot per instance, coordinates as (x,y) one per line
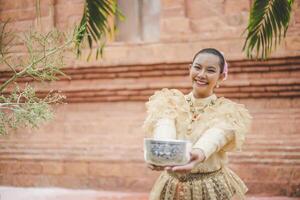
(205,74)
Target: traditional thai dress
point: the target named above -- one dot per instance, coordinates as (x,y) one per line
(216,125)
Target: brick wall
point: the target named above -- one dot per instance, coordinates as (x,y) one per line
(83,147)
(185,27)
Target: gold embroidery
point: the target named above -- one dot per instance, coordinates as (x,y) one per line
(196,111)
(198,186)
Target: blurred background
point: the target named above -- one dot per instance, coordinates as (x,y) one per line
(95,140)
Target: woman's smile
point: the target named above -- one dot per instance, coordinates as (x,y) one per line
(201,82)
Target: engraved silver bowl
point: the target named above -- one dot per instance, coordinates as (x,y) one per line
(166,152)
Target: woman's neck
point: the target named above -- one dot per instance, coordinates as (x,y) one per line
(202,96)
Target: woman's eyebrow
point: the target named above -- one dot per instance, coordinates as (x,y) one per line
(198,64)
(212,67)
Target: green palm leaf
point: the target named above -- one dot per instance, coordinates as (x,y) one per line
(94,25)
(268,23)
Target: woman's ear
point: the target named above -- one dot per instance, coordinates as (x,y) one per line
(221,77)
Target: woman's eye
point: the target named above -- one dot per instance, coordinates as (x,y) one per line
(211,70)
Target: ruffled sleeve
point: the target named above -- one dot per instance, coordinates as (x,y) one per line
(237,119)
(163,104)
(233,118)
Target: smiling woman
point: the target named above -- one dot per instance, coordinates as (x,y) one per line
(206,72)
(214,125)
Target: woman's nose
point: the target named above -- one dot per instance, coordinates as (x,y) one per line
(201,73)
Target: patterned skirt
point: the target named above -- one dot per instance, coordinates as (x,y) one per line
(222,184)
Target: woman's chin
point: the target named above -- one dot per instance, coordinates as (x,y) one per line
(200,90)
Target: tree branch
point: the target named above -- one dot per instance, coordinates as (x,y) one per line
(22,72)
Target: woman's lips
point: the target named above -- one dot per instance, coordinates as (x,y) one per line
(200,83)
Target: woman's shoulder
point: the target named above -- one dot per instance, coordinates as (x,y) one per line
(225,102)
(167,95)
(228,106)
(167,99)
(166,92)
(164,103)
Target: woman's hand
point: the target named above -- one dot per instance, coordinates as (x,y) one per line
(197,156)
(155,167)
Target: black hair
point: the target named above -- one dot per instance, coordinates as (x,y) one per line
(214,52)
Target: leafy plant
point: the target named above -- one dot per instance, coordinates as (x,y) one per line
(42,61)
(268,23)
(95,24)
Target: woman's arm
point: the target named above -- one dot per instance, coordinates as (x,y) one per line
(213,140)
(210,142)
(197,156)
(165,129)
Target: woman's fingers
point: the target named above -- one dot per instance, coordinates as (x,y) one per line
(197,154)
(184,168)
(154,167)
(194,156)
(150,166)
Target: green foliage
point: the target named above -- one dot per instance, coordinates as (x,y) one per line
(42,61)
(39,48)
(22,107)
(268,23)
(95,24)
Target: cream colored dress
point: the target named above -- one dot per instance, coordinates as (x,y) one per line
(219,126)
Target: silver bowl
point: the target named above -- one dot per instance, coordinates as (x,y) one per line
(166,152)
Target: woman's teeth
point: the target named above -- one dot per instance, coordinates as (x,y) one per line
(201,82)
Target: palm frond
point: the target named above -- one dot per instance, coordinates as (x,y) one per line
(268,23)
(94,26)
